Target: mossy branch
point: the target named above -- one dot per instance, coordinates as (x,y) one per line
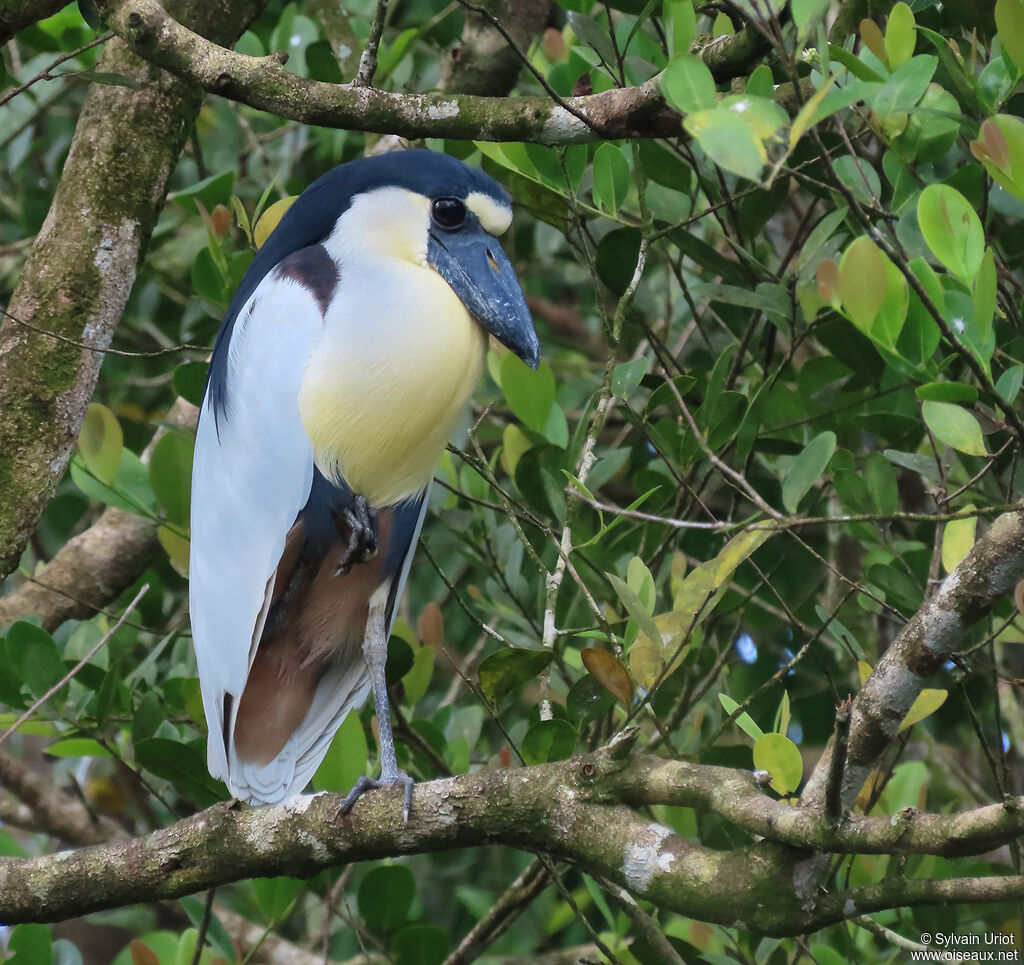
(576,810)
(262,82)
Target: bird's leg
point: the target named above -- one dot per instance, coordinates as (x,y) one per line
(375,649)
(361,519)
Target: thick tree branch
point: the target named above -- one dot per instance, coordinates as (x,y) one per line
(264,84)
(17,14)
(572,810)
(989,572)
(485,63)
(52,810)
(82,267)
(100,563)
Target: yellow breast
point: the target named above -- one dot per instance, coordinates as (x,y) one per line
(388,385)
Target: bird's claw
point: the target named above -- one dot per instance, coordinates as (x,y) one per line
(365,784)
(362,535)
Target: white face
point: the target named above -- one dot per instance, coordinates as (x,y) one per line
(394,222)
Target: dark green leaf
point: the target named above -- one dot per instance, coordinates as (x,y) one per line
(508,670)
(549,740)
(385,896)
(170,474)
(420,944)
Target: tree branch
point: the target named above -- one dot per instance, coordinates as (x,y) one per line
(82,266)
(100,563)
(572,810)
(930,637)
(261,82)
(14,16)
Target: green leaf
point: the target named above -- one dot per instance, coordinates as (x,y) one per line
(385,897)
(508,670)
(549,740)
(807,469)
(77,747)
(34,657)
(952,230)
(184,765)
(209,192)
(1010,25)
(781,758)
(594,35)
(955,427)
(900,36)
(1010,382)
(638,612)
(985,296)
(728,141)
(862,282)
(957,541)
(927,702)
(611,178)
(270,219)
(530,394)
(626,376)
(806,14)
(688,85)
(905,87)
(190,380)
(947,392)
(587,700)
(420,944)
(745,722)
(31,945)
(101,442)
(170,474)
(681,25)
(882,484)
(346,758)
(216,934)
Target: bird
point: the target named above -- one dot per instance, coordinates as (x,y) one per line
(342,367)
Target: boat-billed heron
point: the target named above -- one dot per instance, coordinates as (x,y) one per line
(342,367)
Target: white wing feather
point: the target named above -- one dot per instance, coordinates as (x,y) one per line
(252,475)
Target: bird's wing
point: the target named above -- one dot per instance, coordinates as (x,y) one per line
(310,670)
(251,477)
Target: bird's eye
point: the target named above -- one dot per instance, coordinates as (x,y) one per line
(448,213)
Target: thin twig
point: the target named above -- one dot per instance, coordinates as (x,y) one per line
(74,670)
(204,925)
(368,58)
(173,350)
(46,75)
(837,763)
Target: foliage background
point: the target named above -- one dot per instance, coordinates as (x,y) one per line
(800,313)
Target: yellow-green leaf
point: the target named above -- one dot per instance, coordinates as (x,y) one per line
(176,546)
(781,758)
(269,220)
(900,36)
(952,229)
(863,671)
(957,540)
(101,442)
(862,282)
(928,701)
(1010,26)
(954,426)
(514,444)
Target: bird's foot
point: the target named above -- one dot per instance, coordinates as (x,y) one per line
(363,541)
(365,784)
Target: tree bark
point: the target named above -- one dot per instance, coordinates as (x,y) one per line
(82,266)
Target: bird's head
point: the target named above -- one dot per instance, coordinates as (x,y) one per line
(437,212)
